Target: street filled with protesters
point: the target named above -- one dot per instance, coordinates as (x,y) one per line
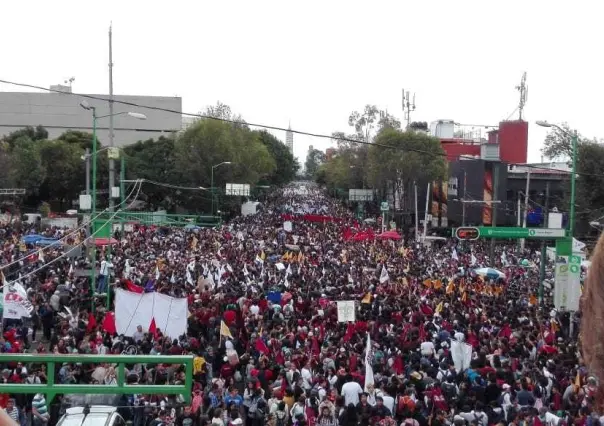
(297,315)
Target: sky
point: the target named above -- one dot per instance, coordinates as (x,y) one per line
(310,63)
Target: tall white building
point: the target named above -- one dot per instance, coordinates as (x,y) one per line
(289,139)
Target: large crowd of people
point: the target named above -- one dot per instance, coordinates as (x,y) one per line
(270,346)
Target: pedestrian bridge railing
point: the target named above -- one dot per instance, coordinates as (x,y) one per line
(54,362)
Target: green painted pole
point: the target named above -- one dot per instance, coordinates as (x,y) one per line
(122,188)
(573,178)
(212,189)
(543,260)
(94,159)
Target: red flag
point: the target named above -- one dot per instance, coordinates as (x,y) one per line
(109,323)
(261,347)
(349,332)
(91,323)
(130,286)
(153,327)
(316,349)
(398,365)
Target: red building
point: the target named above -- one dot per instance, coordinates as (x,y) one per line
(512,137)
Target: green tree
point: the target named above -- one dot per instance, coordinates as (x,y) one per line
(590,163)
(314,159)
(210,142)
(414,156)
(65,172)
(81,139)
(286,166)
(154,160)
(27,169)
(34,134)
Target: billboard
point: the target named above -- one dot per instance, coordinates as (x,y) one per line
(360,195)
(237,189)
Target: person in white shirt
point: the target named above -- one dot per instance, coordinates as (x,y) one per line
(351,391)
(427,348)
(104,275)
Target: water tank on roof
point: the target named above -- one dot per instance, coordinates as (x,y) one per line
(443,129)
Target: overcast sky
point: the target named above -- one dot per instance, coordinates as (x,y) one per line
(312,62)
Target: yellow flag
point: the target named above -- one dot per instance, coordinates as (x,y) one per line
(300,257)
(428,283)
(439,308)
(437,284)
(577,382)
(533,300)
(194,243)
(464,297)
(367,298)
(262,255)
(224,330)
(450,287)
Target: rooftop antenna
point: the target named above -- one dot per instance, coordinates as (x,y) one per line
(70,82)
(523,89)
(408,106)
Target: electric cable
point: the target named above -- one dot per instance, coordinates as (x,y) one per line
(66,253)
(77,230)
(277,128)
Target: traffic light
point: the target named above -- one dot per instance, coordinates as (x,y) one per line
(467,233)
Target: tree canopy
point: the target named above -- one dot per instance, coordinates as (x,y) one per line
(53,170)
(590,163)
(366,164)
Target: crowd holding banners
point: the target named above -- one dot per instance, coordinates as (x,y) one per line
(432,342)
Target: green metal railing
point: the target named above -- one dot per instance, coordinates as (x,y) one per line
(153,218)
(51,389)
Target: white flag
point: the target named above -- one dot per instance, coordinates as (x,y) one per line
(384,275)
(156,273)
(454,254)
(473,258)
(504,260)
(368,367)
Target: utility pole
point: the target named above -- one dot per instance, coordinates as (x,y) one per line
(426,213)
(526,205)
(494,211)
(543,245)
(87,157)
(408,107)
(416,214)
(111,114)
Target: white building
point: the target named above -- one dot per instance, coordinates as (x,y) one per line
(59,112)
(289,139)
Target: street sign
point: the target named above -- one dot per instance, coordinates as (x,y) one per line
(385,206)
(113,153)
(515,232)
(467,233)
(567,284)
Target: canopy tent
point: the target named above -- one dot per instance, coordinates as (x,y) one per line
(99,242)
(39,239)
(389,235)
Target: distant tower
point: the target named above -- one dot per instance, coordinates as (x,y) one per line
(289,139)
(523,89)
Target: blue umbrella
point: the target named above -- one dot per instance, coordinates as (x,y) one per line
(490,273)
(192,227)
(32,238)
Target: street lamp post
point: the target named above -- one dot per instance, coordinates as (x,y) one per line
(574,137)
(212,182)
(95,117)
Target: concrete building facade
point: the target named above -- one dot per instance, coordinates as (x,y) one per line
(289,139)
(59,112)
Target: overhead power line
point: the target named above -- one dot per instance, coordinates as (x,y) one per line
(269,127)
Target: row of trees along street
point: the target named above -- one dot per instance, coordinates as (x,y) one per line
(53,171)
(359,161)
(364,164)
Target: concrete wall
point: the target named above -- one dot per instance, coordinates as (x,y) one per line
(61,112)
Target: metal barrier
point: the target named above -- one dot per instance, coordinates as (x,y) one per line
(153,218)
(51,389)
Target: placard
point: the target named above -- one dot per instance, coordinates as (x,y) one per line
(346,311)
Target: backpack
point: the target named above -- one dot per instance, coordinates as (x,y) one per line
(449,391)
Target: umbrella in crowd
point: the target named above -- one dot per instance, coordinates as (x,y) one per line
(490,273)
